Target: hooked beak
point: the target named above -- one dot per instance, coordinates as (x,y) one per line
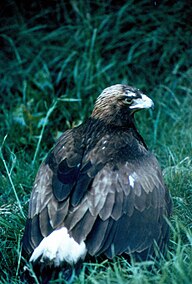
(141,103)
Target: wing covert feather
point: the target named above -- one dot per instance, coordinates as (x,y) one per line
(136,215)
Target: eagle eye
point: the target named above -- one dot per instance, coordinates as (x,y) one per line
(128,100)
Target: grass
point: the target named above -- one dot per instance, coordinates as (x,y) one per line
(54,63)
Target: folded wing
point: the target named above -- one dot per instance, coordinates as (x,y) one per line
(115,205)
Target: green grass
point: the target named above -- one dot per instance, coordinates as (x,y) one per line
(53,66)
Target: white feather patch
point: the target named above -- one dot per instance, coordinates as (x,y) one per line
(59,247)
(132,179)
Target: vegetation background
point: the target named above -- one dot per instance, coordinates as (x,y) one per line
(55,58)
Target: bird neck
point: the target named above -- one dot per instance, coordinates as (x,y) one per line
(100,125)
(99,128)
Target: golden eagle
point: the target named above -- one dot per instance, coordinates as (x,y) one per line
(100,191)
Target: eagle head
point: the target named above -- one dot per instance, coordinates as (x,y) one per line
(117,104)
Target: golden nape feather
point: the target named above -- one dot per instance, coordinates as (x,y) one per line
(100,192)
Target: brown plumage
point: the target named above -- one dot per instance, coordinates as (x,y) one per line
(102,184)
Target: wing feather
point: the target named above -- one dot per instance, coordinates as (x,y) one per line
(98,234)
(57,212)
(118,206)
(44,222)
(107,208)
(83,228)
(36,235)
(107,240)
(76,215)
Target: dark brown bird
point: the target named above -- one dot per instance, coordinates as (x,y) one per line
(100,191)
